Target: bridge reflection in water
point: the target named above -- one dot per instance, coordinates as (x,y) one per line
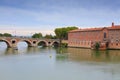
(26,50)
(67,63)
(23,48)
(74,54)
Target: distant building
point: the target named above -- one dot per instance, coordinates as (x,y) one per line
(107,37)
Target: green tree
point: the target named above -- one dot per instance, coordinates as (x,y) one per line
(54,37)
(62,33)
(7,35)
(97,46)
(37,35)
(1,34)
(48,36)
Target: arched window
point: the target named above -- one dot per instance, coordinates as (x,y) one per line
(116,44)
(104,34)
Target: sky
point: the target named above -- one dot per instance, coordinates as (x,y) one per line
(26,17)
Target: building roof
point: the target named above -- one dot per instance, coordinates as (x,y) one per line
(113,27)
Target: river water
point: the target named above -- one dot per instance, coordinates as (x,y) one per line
(58,64)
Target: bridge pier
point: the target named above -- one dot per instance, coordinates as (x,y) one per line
(33,45)
(14,46)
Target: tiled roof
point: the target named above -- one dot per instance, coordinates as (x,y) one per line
(97,29)
(115,27)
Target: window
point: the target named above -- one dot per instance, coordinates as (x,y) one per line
(104,34)
(88,43)
(117,44)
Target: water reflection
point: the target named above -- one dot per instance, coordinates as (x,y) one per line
(10,51)
(74,54)
(61,50)
(78,54)
(59,63)
(92,55)
(26,50)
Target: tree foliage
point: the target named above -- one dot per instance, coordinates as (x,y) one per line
(1,34)
(5,35)
(97,46)
(37,35)
(62,33)
(48,36)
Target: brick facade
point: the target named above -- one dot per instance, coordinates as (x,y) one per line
(107,37)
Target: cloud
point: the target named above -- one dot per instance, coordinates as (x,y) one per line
(47,15)
(24,31)
(27,32)
(60,17)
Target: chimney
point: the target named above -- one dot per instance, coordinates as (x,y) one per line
(112,24)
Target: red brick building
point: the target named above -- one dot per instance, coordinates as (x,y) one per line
(107,37)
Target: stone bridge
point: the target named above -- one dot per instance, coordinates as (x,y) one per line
(12,42)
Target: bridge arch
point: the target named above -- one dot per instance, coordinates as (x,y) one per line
(7,42)
(55,43)
(42,43)
(28,42)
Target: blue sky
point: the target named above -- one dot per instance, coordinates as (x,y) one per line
(30,16)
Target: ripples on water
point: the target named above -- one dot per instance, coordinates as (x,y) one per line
(36,63)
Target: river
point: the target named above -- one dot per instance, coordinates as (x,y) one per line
(36,63)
